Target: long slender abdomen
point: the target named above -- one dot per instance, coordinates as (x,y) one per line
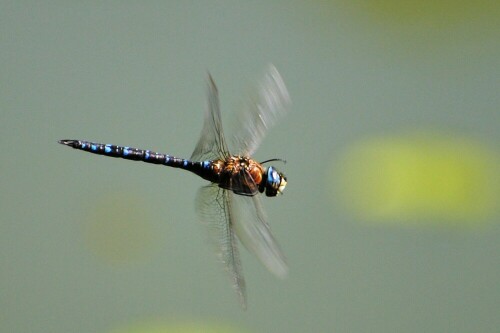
(129,153)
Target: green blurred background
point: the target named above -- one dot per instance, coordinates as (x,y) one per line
(390,217)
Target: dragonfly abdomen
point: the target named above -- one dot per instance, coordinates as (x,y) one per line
(135,154)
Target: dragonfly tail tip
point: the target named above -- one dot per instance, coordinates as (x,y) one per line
(67,142)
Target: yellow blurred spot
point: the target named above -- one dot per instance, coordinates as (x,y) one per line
(423,28)
(420,178)
(426,13)
(159,327)
(118,228)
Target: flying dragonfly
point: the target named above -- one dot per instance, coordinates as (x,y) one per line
(230,206)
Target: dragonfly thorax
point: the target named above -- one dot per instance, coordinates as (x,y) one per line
(235,165)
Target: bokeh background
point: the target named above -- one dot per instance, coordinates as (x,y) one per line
(389,221)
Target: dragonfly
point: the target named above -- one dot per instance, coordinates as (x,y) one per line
(230,205)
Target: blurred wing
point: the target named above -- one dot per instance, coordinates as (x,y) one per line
(211,145)
(254,232)
(213,206)
(262,111)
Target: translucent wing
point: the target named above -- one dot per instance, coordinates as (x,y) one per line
(211,144)
(214,207)
(254,232)
(262,111)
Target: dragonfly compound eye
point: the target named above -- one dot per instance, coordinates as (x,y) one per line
(275,182)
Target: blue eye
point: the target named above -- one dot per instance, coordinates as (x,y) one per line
(273,178)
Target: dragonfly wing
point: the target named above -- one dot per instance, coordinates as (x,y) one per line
(214,207)
(211,145)
(262,110)
(254,232)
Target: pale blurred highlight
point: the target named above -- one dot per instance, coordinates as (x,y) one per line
(186,327)
(420,178)
(119,228)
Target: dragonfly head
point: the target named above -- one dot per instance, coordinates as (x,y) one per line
(274,183)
